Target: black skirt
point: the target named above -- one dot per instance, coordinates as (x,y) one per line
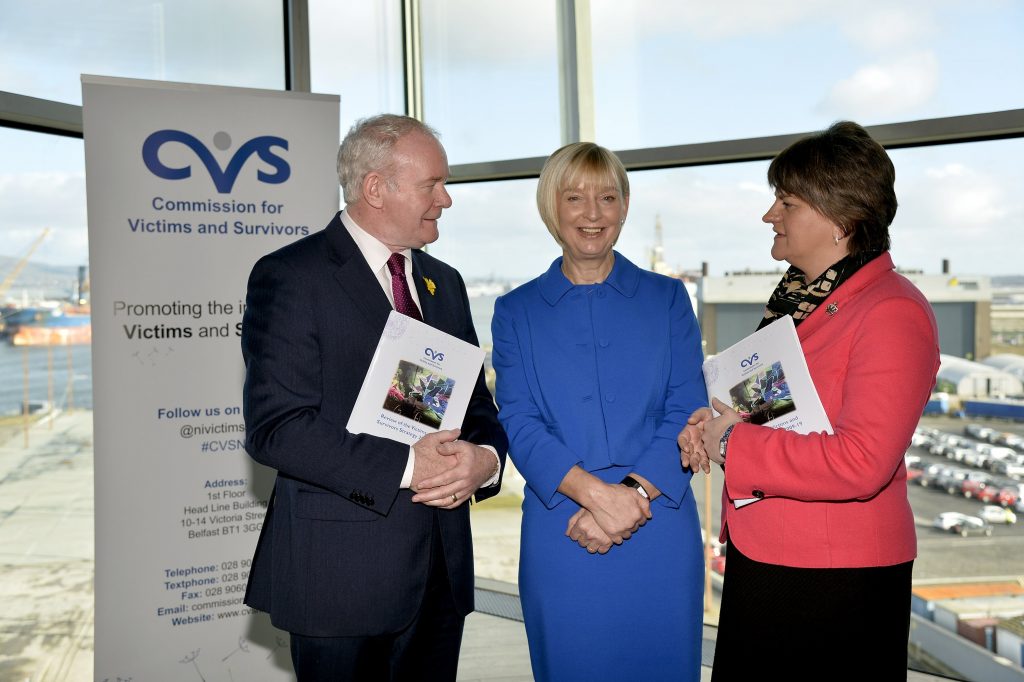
(812,623)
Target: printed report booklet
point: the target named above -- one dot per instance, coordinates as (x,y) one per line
(419,381)
(764,377)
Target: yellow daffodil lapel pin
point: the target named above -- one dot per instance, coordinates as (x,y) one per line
(431,287)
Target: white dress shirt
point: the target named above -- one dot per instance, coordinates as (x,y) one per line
(377,255)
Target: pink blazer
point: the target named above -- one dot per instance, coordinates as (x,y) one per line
(840,501)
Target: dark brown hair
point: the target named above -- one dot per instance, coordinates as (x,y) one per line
(847,177)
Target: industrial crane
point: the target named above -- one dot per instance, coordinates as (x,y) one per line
(20,265)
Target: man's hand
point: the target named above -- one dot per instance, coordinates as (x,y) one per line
(469,466)
(428,461)
(583,529)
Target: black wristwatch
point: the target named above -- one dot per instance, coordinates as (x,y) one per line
(631,482)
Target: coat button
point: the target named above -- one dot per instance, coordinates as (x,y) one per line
(759,494)
(610,397)
(604,343)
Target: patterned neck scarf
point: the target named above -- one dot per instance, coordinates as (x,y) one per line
(798,299)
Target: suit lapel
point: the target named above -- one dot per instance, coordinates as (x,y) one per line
(357,281)
(431,297)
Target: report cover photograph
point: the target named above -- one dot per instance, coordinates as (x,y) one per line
(764,396)
(419,381)
(419,393)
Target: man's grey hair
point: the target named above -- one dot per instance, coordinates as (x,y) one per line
(367,149)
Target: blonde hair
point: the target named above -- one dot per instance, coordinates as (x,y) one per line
(579,163)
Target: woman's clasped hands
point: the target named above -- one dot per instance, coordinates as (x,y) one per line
(612,514)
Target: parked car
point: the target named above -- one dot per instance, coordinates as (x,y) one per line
(962,524)
(1009,467)
(1009,495)
(990,493)
(951,479)
(930,475)
(975,483)
(960,454)
(996,514)
(999,456)
(1011,440)
(978,431)
(976,458)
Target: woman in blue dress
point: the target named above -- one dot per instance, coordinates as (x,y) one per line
(598,367)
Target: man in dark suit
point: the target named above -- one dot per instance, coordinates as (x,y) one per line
(365,555)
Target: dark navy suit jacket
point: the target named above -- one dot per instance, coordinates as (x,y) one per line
(343,551)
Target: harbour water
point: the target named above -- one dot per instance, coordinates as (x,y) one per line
(67,368)
(482,310)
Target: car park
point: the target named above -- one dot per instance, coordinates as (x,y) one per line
(962,524)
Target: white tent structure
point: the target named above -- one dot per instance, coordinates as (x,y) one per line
(1007,362)
(977,380)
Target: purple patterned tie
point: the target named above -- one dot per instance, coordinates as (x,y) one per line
(404,302)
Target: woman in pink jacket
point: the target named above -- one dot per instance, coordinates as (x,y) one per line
(818,577)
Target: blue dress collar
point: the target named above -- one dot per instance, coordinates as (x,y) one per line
(624,278)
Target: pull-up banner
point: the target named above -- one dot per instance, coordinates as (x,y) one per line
(187,186)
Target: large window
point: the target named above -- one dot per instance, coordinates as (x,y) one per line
(669,72)
(355,51)
(664,74)
(42,187)
(957,202)
(490,78)
(45,46)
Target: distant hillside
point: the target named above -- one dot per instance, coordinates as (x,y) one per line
(39,280)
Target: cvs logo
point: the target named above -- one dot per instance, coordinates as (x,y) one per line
(436,356)
(749,361)
(223,179)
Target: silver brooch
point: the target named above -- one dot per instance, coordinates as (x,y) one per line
(831,309)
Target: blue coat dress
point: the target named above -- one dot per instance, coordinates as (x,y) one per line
(604,376)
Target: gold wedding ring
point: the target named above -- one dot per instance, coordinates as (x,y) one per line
(455,497)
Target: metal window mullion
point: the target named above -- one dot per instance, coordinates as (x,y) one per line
(935,131)
(412,48)
(575,71)
(296,27)
(40,115)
